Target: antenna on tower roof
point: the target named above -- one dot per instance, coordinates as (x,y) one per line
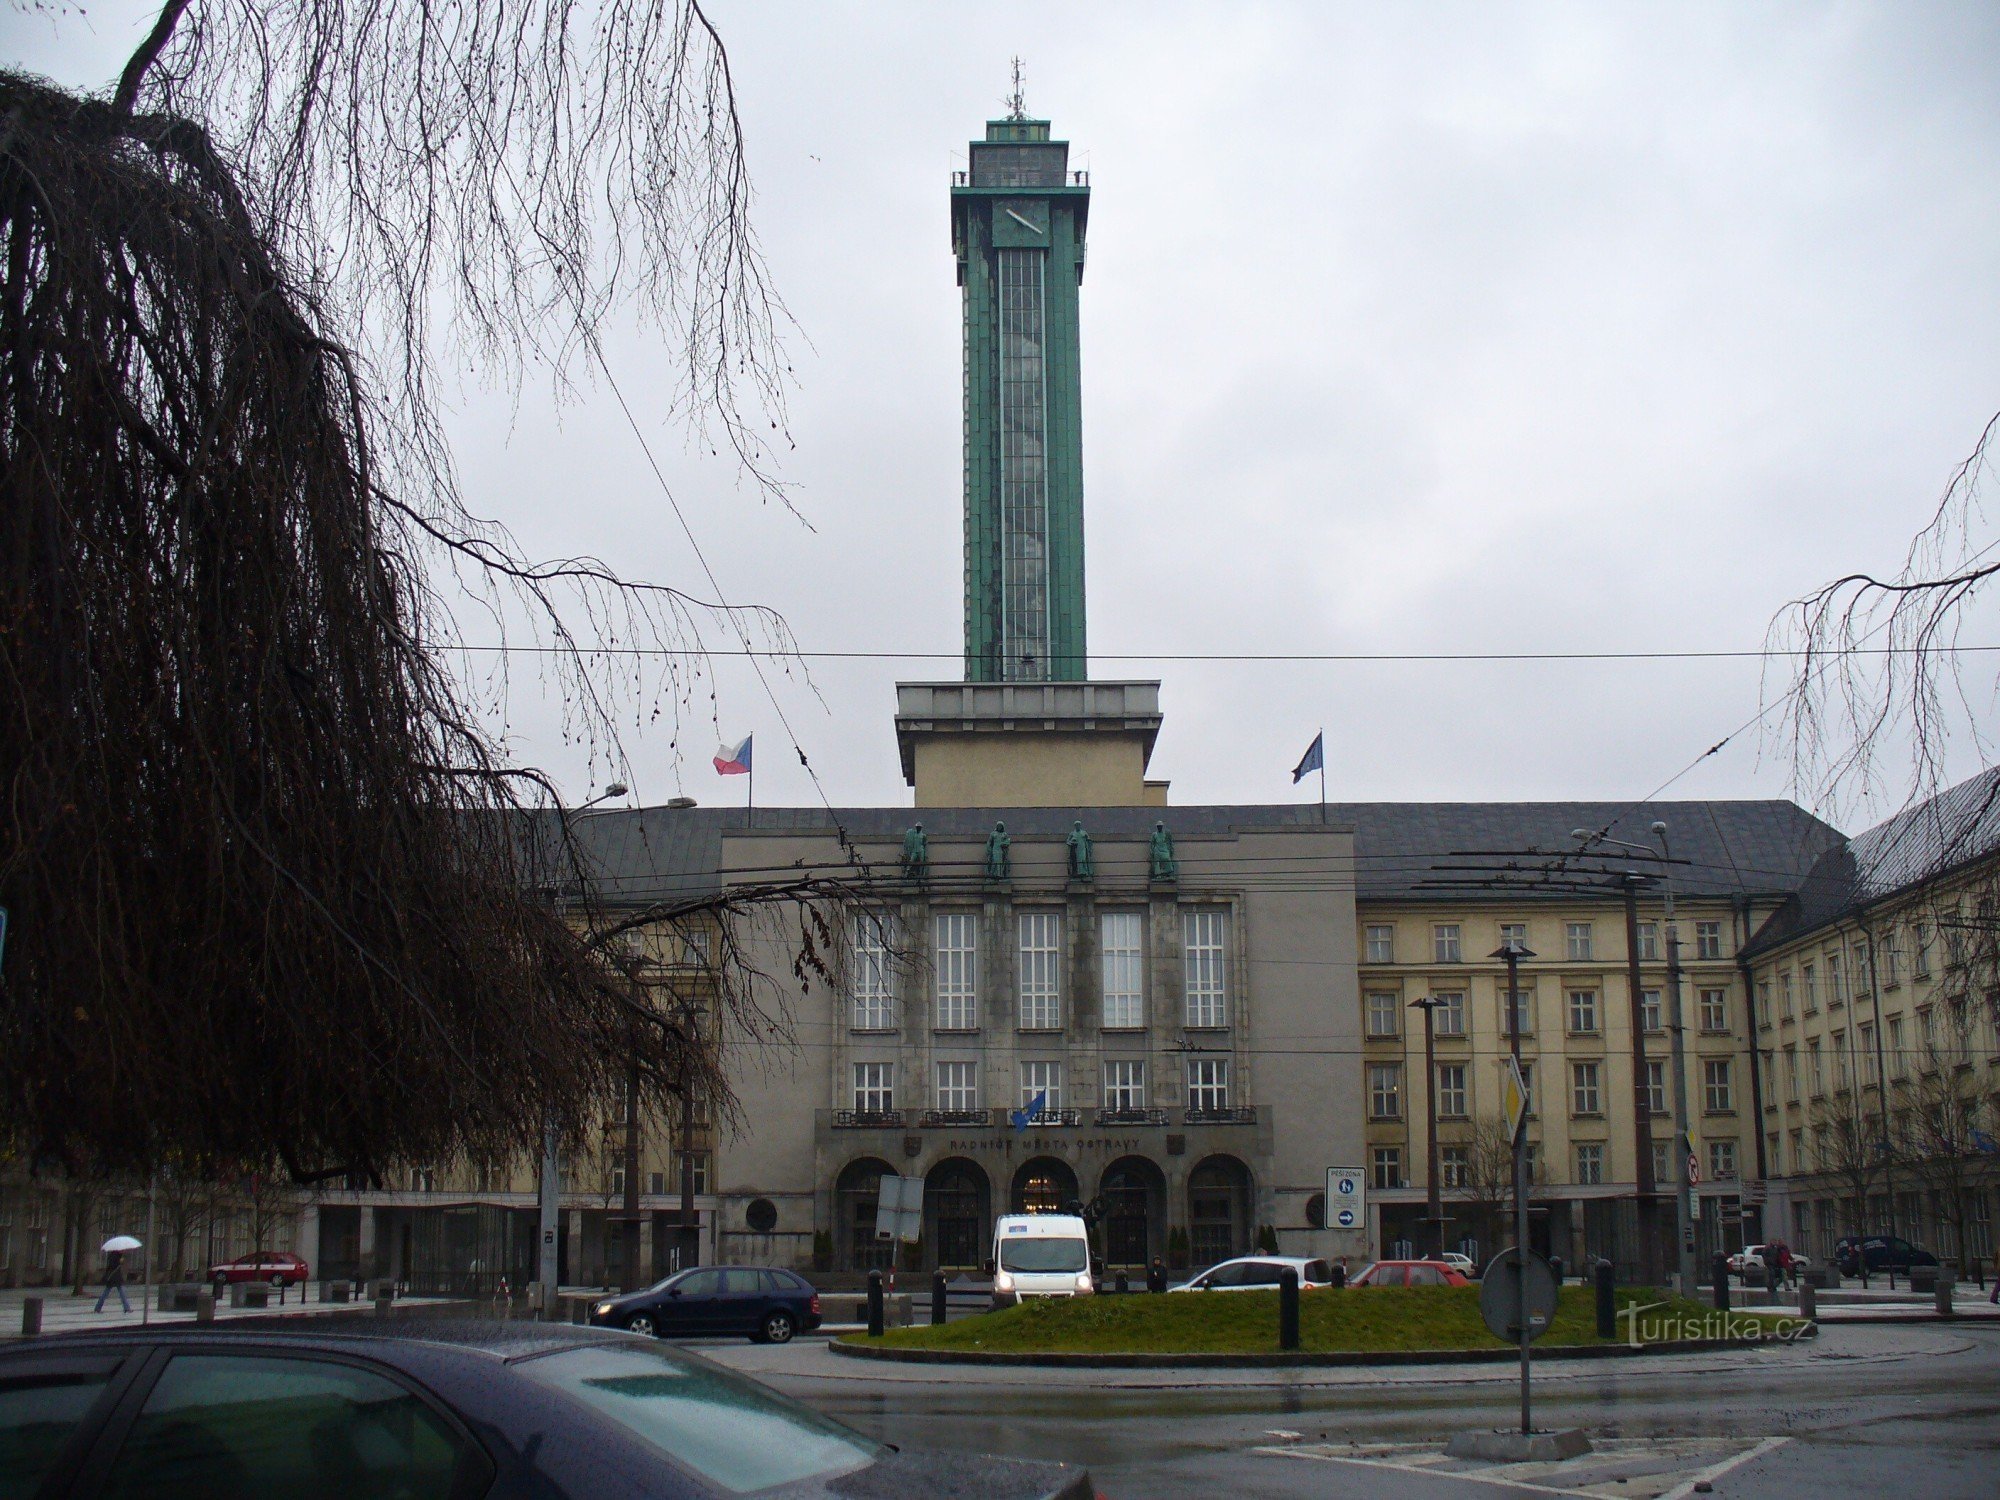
(1017,103)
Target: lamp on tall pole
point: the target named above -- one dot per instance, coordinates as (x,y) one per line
(1677,1034)
(548,1190)
(1513,951)
(1433,1204)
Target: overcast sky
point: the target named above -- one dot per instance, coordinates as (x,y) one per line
(1406,329)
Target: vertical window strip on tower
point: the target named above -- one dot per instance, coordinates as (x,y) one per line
(1024,509)
(1122,939)
(956,960)
(1039,970)
(1204,933)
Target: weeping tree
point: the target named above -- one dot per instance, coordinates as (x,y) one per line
(278,896)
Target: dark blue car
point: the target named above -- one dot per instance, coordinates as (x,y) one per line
(760,1302)
(1885,1252)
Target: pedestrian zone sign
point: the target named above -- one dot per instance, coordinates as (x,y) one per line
(1346,1198)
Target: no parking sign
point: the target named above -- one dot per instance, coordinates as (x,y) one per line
(1346,1198)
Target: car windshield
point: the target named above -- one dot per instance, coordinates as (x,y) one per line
(1043,1255)
(730,1430)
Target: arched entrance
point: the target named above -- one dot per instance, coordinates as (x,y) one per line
(957,1213)
(1135,1211)
(854,1195)
(1045,1185)
(1218,1210)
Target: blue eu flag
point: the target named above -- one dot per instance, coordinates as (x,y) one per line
(1315,758)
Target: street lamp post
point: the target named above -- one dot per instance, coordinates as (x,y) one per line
(1683,1140)
(1513,951)
(1433,1203)
(548,1190)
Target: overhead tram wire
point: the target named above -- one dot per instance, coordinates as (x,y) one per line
(1300,657)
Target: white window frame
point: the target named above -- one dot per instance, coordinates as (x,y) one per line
(1579,942)
(1586,1088)
(1708,940)
(1447,942)
(957,1084)
(1385,1091)
(1385,1013)
(874,1087)
(1122,945)
(955,959)
(1718,1085)
(1039,1076)
(1722,1161)
(1650,1015)
(1385,1166)
(1381,940)
(1208,1083)
(1714,1003)
(1454,1165)
(1656,1086)
(1125,1083)
(1038,969)
(1205,965)
(1449,1013)
(1583,1012)
(1649,942)
(872,985)
(1589,1163)
(1452,1097)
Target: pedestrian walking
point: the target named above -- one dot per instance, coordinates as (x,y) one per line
(114,1281)
(1156,1275)
(1787,1267)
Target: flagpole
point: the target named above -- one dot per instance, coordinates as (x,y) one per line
(750,801)
(1322,776)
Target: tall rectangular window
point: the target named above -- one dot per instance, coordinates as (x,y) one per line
(1454,1166)
(958,1085)
(1122,939)
(1038,970)
(1649,1010)
(1208,1082)
(1583,1012)
(1656,1087)
(1451,1091)
(1024,493)
(1840,1056)
(1708,940)
(1445,943)
(1526,1018)
(1385,1091)
(1586,1098)
(1899,1061)
(1716,1092)
(1384,1012)
(1809,983)
(1663,1164)
(1125,1084)
(1715,1010)
(1204,941)
(1836,980)
(1721,1161)
(1577,941)
(1649,942)
(873,994)
(1449,1013)
(1381,943)
(1923,950)
(1785,995)
(1791,1075)
(1388,1166)
(956,959)
(1815,1071)
(1589,1163)
(1044,1081)
(874,1086)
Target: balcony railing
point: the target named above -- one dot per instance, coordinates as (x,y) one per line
(1131,1117)
(1055,1117)
(867,1119)
(1225,1114)
(977,1119)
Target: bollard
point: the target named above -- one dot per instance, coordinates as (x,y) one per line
(940,1298)
(1943,1293)
(874,1304)
(31,1317)
(1719,1270)
(1123,1284)
(384,1306)
(1808,1300)
(1607,1302)
(204,1305)
(1288,1308)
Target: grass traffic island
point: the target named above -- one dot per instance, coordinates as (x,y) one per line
(1365,1326)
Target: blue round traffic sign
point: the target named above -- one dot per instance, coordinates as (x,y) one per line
(1346,1218)
(1347,1187)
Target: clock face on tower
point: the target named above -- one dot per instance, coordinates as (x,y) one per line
(1021,223)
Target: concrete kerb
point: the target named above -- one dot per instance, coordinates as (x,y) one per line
(1331,1359)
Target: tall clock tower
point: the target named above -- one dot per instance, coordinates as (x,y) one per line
(1017,227)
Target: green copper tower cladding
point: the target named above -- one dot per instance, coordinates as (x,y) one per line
(1017,227)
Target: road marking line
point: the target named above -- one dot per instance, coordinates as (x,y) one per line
(1716,1471)
(1426,1471)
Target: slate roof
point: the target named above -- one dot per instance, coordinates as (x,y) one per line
(1746,848)
(1941,834)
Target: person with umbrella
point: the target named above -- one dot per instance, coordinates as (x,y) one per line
(114,1270)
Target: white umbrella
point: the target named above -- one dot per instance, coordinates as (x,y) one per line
(121,1242)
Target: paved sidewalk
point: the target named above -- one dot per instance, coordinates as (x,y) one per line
(62,1313)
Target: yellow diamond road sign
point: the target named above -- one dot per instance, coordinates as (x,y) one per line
(1514,1098)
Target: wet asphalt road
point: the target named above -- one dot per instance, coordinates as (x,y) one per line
(1913,1415)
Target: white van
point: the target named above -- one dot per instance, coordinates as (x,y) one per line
(1040,1255)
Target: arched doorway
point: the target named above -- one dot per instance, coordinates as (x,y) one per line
(957,1223)
(854,1195)
(1135,1211)
(1218,1210)
(1045,1185)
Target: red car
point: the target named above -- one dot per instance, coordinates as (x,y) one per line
(1410,1273)
(279,1267)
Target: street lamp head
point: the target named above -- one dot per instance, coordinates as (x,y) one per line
(616,789)
(1660,829)
(1514,949)
(1581,835)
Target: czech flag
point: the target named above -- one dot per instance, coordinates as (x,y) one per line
(734,762)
